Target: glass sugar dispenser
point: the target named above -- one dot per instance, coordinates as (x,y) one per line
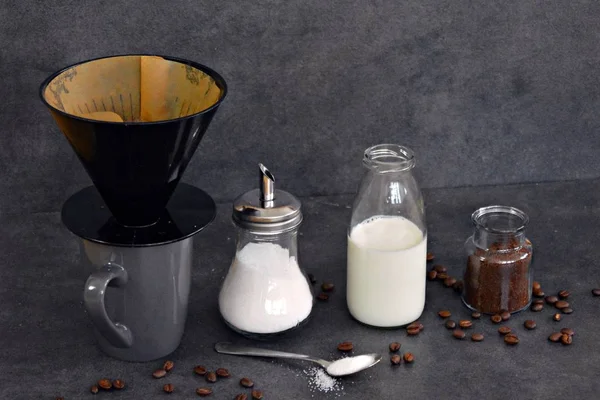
(265,292)
(387,241)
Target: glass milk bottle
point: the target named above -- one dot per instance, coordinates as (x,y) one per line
(387,241)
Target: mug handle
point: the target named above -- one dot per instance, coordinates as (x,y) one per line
(110,274)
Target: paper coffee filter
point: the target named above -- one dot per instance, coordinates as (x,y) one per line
(132,89)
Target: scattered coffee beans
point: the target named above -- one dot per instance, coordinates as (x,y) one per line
(450,324)
(556,317)
(104,384)
(511,339)
(465,323)
(159,373)
(596,292)
(567,331)
(441,276)
(211,377)
(477,337)
(536,285)
(409,358)
(537,307)
(203,392)
(459,334)
(444,314)
(394,347)
(563,294)
(555,337)
(94,389)
(414,325)
(323,296)
(504,330)
(551,299)
(241,396)
(567,310)
(476,315)
(247,383)
(168,388)
(327,287)
(566,339)
(395,359)
(561,304)
(413,331)
(118,384)
(200,370)
(496,318)
(538,301)
(430,256)
(431,275)
(458,286)
(505,315)
(538,293)
(257,395)
(440,268)
(312,279)
(449,281)
(222,373)
(345,346)
(168,365)
(530,324)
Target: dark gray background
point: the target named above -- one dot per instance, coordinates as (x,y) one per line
(484,92)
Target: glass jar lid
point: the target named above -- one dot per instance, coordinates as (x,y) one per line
(267,210)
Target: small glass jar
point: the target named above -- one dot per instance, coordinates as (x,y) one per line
(498,274)
(387,241)
(265,292)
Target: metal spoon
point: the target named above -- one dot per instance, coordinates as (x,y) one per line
(228,348)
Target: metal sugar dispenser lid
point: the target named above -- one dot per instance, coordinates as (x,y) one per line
(266,209)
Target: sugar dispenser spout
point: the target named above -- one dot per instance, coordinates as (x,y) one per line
(267,187)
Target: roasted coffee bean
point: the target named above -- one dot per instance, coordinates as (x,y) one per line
(477,337)
(345,346)
(312,279)
(409,358)
(555,337)
(395,359)
(203,392)
(465,323)
(596,292)
(536,286)
(168,388)
(211,377)
(537,307)
(200,370)
(413,331)
(257,395)
(118,384)
(241,396)
(323,296)
(431,275)
(247,383)
(450,324)
(440,268)
(551,299)
(530,324)
(459,334)
(449,281)
(414,325)
(567,331)
(105,384)
(504,330)
(458,286)
(538,301)
(505,315)
(430,256)
(159,373)
(561,304)
(496,318)
(168,365)
(222,373)
(567,310)
(327,287)
(441,276)
(563,294)
(476,315)
(566,339)
(511,339)
(556,317)
(94,389)
(539,293)
(444,313)
(394,347)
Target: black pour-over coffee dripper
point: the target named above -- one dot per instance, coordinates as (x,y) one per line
(134,121)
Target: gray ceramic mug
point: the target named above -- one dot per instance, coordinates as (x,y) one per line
(137,297)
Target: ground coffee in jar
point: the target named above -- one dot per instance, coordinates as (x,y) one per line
(498,274)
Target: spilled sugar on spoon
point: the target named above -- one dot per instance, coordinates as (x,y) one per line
(341,367)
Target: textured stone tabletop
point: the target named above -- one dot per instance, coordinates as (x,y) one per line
(47,348)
